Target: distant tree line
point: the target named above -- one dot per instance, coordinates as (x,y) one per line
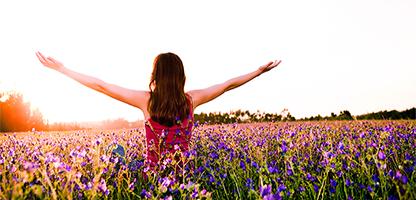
(240,116)
(343,115)
(247,117)
(408,114)
(390,115)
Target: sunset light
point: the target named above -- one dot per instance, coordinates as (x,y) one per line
(336,56)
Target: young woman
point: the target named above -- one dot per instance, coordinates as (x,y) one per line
(167,108)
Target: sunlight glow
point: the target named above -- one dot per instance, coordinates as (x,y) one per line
(355,55)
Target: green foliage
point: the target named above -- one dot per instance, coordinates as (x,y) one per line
(247,117)
(382,115)
(240,116)
(390,115)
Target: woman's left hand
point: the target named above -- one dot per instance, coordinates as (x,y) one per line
(49,62)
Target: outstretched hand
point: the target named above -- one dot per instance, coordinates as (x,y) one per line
(267,67)
(49,62)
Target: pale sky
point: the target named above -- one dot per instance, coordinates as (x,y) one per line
(337,55)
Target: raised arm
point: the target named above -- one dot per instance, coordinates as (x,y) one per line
(132,97)
(202,96)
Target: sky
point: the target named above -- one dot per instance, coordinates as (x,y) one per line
(336,55)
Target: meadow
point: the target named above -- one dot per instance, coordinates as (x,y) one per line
(285,160)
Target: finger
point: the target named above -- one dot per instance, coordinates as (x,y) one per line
(40,54)
(273,64)
(268,64)
(37,55)
(54,61)
(276,62)
(51,59)
(41,57)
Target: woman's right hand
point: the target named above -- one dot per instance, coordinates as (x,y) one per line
(49,62)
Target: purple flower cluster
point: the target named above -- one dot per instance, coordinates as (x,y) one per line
(298,160)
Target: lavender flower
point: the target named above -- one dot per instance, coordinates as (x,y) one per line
(243,165)
(265,190)
(145,194)
(381,155)
(249,183)
(102,186)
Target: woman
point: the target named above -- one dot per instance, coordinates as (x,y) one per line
(167,108)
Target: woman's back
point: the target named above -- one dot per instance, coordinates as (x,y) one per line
(162,139)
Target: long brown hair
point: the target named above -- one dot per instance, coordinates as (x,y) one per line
(168,102)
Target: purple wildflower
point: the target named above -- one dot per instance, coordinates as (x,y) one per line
(281,187)
(211,179)
(392,197)
(333,183)
(375,178)
(265,190)
(370,189)
(404,179)
(289,172)
(407,156)
(145,194)
(223,176)
(272,170)
(390,173)
(214,155)
(201,169)
(398,175)
(348,182)
(310,177)
(11,152)
(357,155)
(381,155)
(249,183)
(284,148)
(341,145)
(272,197)
(255,165)
(315,188)
(102,186)
(242,165)
(88,186)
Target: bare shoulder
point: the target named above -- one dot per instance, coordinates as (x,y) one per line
(191,93)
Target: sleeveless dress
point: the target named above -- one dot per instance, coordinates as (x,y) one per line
(161,139)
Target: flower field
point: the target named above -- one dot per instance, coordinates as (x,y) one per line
(293,160)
